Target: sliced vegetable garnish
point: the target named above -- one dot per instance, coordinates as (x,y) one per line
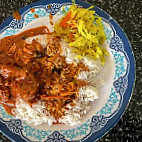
(84,32)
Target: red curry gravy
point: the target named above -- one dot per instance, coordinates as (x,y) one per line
(32,72)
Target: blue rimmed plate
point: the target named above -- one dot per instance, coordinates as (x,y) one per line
(114,95)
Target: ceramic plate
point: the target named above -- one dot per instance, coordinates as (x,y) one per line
(119,76)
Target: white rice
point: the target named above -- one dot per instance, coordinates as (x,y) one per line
(75,114)
(35,114)
(42,39)
(87,94)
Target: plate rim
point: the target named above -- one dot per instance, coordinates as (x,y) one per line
(128,50)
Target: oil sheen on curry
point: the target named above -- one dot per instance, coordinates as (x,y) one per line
(33,72)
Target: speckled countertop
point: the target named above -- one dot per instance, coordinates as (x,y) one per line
(128,13)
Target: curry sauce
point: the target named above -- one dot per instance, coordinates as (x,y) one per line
(32,72)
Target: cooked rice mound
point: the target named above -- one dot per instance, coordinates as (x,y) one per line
(36,114)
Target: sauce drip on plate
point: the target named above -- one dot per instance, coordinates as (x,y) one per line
(16,15)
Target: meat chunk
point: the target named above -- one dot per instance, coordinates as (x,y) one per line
(25,89)
(12,71)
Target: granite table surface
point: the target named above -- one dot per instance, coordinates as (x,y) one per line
(128,13)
